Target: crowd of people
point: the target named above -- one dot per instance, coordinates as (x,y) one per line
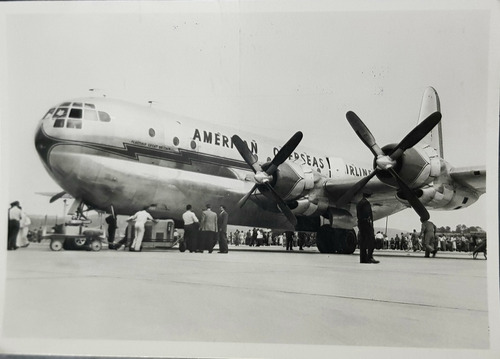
(445,242)
(204,233)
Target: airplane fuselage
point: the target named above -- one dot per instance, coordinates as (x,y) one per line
(115,154)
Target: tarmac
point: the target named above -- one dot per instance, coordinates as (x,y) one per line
(251,302)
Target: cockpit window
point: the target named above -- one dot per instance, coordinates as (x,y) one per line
(72,123)
(76,113)
(49,113)
(61,112)
(59,122)
(104,117)
(90,115)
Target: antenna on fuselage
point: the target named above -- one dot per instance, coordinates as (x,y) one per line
(98,90)
(151,102)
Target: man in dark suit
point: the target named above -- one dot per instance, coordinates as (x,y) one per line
(222,224)
(366,234)
(208,228)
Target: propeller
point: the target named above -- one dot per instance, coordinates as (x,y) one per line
(263,175)
(386,162)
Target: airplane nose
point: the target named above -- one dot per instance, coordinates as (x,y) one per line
(43,144)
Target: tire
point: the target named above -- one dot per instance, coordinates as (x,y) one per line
(351,242)
(324,239)
(182,246)
(96,245)
(79,242)
(56,245)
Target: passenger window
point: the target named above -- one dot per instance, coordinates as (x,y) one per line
(90,115)
(61,112)
(59,122)
(76,113)
(104,117)
(49,113)
(74,123)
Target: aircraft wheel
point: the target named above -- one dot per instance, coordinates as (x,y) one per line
(182,246)
(351,242)
(96,245)
(324,239)
(56,245)
(80,241)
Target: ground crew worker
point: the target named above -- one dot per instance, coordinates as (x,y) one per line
(222,225)
(366,234)
(191,225)
(111,221)
(428,233)
(208,228)
(14,224)
(140,219)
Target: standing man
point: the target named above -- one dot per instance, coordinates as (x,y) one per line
(366,234)
(208,229)
(111,221)
(289,240)
(140,219)
(191,225)
(222,224)
(428,233)
(15,216)
(414,240)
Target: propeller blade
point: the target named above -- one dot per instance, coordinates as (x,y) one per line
(282,205)
(364,133)
(247,155)
(242,201)
(285,152)
(354,190)
(411,197)
(416,135)
(57,196)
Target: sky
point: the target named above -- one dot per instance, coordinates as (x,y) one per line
(271,68)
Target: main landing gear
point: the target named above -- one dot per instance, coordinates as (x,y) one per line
(336,240)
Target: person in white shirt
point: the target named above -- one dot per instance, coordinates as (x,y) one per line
(140,219)
(191,225)
(24,226)
(14,224)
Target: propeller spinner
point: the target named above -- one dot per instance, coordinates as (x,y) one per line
(386,162)
(264,175)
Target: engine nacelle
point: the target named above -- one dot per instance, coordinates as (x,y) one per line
(309,207)
(293,180)
(446,197)
(417,167)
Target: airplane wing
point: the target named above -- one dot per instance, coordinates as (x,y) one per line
(336,188)
(383,197)
(54,196)
(473,177)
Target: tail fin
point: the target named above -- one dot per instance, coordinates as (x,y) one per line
(430,104)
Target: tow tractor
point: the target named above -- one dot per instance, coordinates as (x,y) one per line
(76,234)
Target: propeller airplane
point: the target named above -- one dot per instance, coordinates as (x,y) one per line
(119,157)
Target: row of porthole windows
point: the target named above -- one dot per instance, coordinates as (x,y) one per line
(176,141)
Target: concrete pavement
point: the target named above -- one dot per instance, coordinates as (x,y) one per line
(266,296)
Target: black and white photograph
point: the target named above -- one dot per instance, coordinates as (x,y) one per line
(249,179)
